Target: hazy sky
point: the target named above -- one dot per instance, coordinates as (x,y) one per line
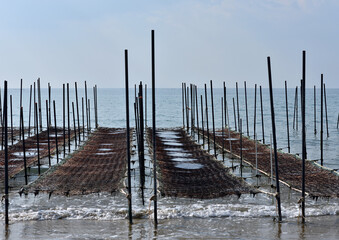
(77,40)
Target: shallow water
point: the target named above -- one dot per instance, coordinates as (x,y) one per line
(100,216)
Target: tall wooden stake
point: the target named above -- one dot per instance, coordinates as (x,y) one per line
(6,154)
(315,110)
(322,121)
(77,105)
(255,111)
(23,144)
(56,133)
(214,144)
(287,125)
(326,110)
(262,117)
(274,139)
(207,128)
(248,131)
(303,109)
(128,141)
(154,132)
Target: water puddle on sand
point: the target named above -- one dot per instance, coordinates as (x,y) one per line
(173,144)
(104,153)
(183,159)
(168,134)
(189,165)
(28,154)
(179,154)
(104,149)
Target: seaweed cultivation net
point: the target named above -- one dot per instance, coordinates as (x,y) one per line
(186,170)
(99,166)
(319,182)
(16,156)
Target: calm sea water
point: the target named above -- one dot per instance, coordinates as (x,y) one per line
(104,216)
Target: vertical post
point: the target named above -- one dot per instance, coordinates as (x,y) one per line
(37,136)
(224,88)
(202,121)
(235,116)
(297,108)
(11,108)
(214,144)
(271,160)
(207,128)
(141,145)
(338,121)
(20,92)
(222,129)
(146,105)
(23,143)
(322,120)
(256,154)
(74,126)
(77,105)
(192,114)
(262,117)
(87,119)
(294,112)
(56,133)
(48,140)
(89,115)
(64,117)
(255,110)
(303,109)
(326,111)
(20,107)
(29,116)
(95,112)
(237,93)
(240,131)
(6,154)
(248,132)
(96,106)
(229,130)
(187,108)
(129,197)
(274,138)
(315,110)
(154,132)
(39,101)
(287,125)
(83,118)
(49,104)
(197,109)
(68,121)
(183,104)
(34,97)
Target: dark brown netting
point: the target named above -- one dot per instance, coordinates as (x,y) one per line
(212,180)
(98,167)
(15,152)
(319,182)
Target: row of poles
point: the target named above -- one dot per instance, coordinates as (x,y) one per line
(190,113)
(38,126)
(139,116)
(190,120)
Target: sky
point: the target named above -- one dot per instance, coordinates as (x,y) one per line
(196,41)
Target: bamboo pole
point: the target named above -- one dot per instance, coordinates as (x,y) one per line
(274,139)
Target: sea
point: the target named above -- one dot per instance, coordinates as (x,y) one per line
(105,216)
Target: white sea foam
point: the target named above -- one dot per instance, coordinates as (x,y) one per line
(107,207)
